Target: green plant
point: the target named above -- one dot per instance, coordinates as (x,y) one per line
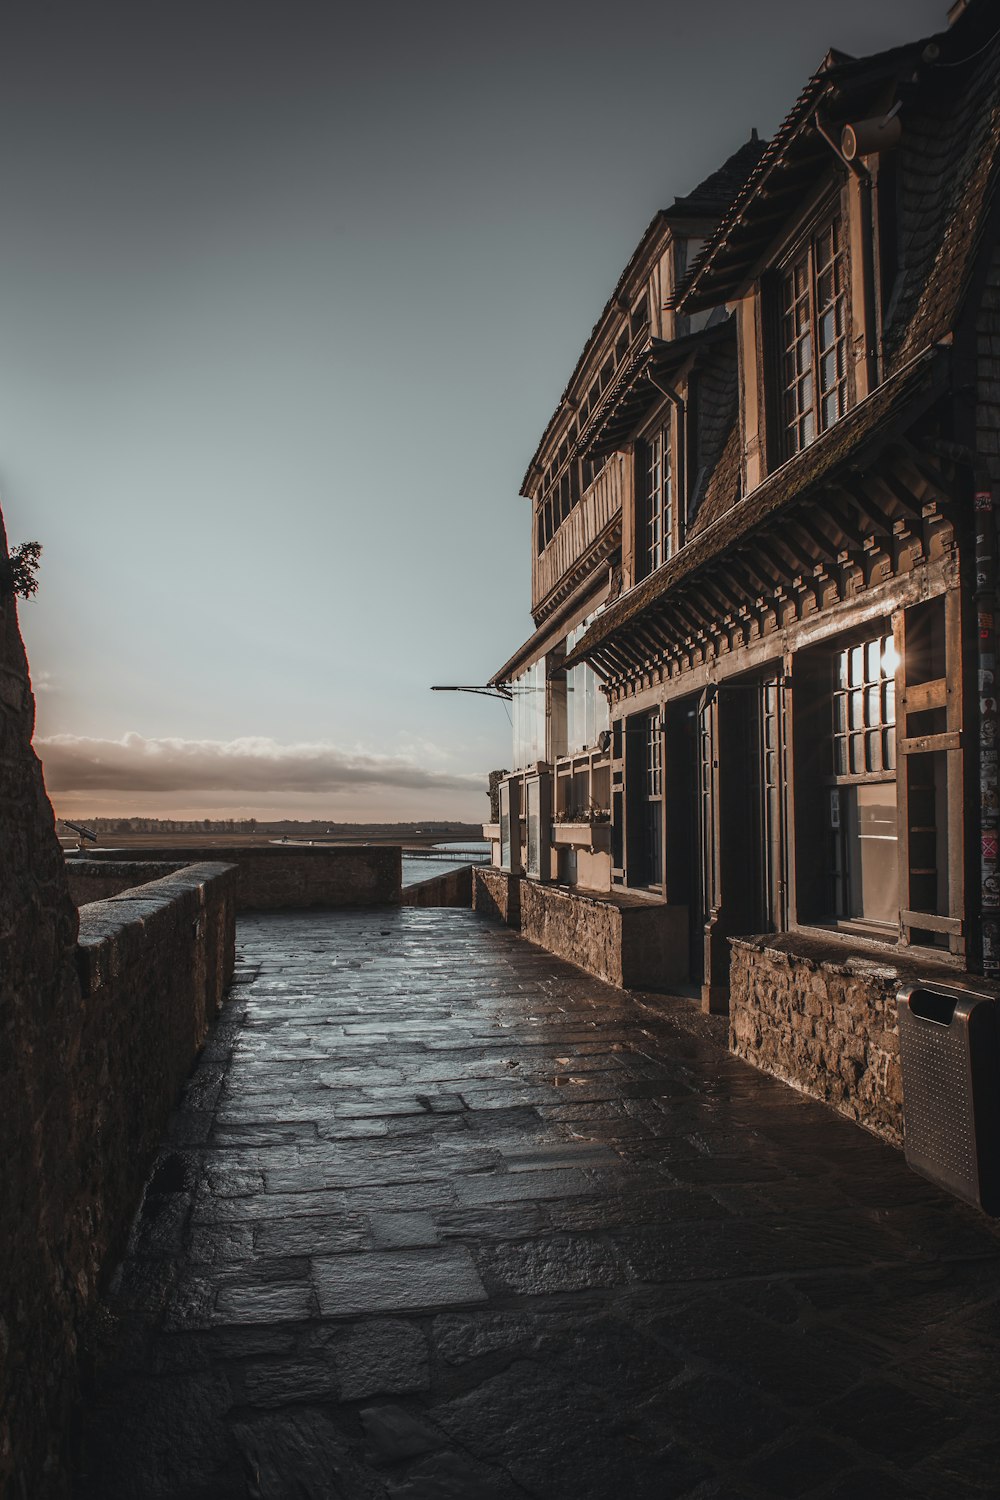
(24,560)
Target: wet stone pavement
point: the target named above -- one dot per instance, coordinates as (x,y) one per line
(442,1218)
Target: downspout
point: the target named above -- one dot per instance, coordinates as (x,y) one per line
(989,805)
(873,342)
(680,406)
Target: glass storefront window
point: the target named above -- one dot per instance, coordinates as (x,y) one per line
(528,703)
(587,714)
(863,813)
(871,840)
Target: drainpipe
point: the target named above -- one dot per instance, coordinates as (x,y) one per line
(679,405)
(989,794)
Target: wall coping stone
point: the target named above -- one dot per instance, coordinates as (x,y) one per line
(137,867)
(840,955)
(620,900)
(111,928)
(187,853)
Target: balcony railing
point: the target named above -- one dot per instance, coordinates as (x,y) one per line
(586,534)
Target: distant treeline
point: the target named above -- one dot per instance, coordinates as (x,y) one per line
(314,829)
(171,825)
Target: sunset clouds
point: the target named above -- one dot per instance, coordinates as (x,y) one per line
(252,766)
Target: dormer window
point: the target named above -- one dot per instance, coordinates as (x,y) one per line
(815,336)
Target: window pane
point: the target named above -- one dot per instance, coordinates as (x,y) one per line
(839,714)
(873,660)
(871,852)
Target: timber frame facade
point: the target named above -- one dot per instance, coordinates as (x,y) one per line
(760,690)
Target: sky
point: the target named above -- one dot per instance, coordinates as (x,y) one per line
(288,293)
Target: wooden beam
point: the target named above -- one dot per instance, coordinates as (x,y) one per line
(902,494)
(825,546)
(868,507)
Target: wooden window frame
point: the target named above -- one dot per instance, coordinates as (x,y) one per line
(866,724)
(802,318)
(655,498)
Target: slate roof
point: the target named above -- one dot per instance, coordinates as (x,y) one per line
(717,402)
(949,118)
(892,406)
(708,200)
(948,178)
(714,193)
(948,173)
(631,394)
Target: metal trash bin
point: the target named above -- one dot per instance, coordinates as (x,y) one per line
(950,1062)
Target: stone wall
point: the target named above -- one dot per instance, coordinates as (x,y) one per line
(273,877)
(629,942)
(96,880)
(496,895)
(154,965)
(453,888)
(823,1018)
(95,1040)
(39,1020)
(625,939)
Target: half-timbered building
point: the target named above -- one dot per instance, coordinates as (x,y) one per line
(760,693)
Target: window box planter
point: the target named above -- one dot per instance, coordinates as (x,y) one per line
(582,835)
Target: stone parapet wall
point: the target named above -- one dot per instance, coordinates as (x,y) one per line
(823,1019)
(453,888)
(626,940)
(633,944)
(274,877)
(40,1017)
(496,894)
(152,966)
(97,880)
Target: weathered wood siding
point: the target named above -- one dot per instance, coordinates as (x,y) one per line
(600,505)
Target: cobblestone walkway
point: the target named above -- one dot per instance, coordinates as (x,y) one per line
(442,1218)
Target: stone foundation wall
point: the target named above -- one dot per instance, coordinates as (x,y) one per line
(623,939)
(496,894)
(641,945)
(827,1027)
(453,888)
(274,877)
(97,880)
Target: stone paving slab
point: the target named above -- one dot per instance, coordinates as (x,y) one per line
(442,1218)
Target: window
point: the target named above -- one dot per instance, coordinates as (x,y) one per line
(814,308)
(862,787)
(560,493)
(528,693)
(586,705)
(654,800)
(656,534)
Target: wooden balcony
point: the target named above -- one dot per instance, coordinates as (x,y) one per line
(590,532)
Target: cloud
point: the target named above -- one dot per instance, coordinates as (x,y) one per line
(77,763)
